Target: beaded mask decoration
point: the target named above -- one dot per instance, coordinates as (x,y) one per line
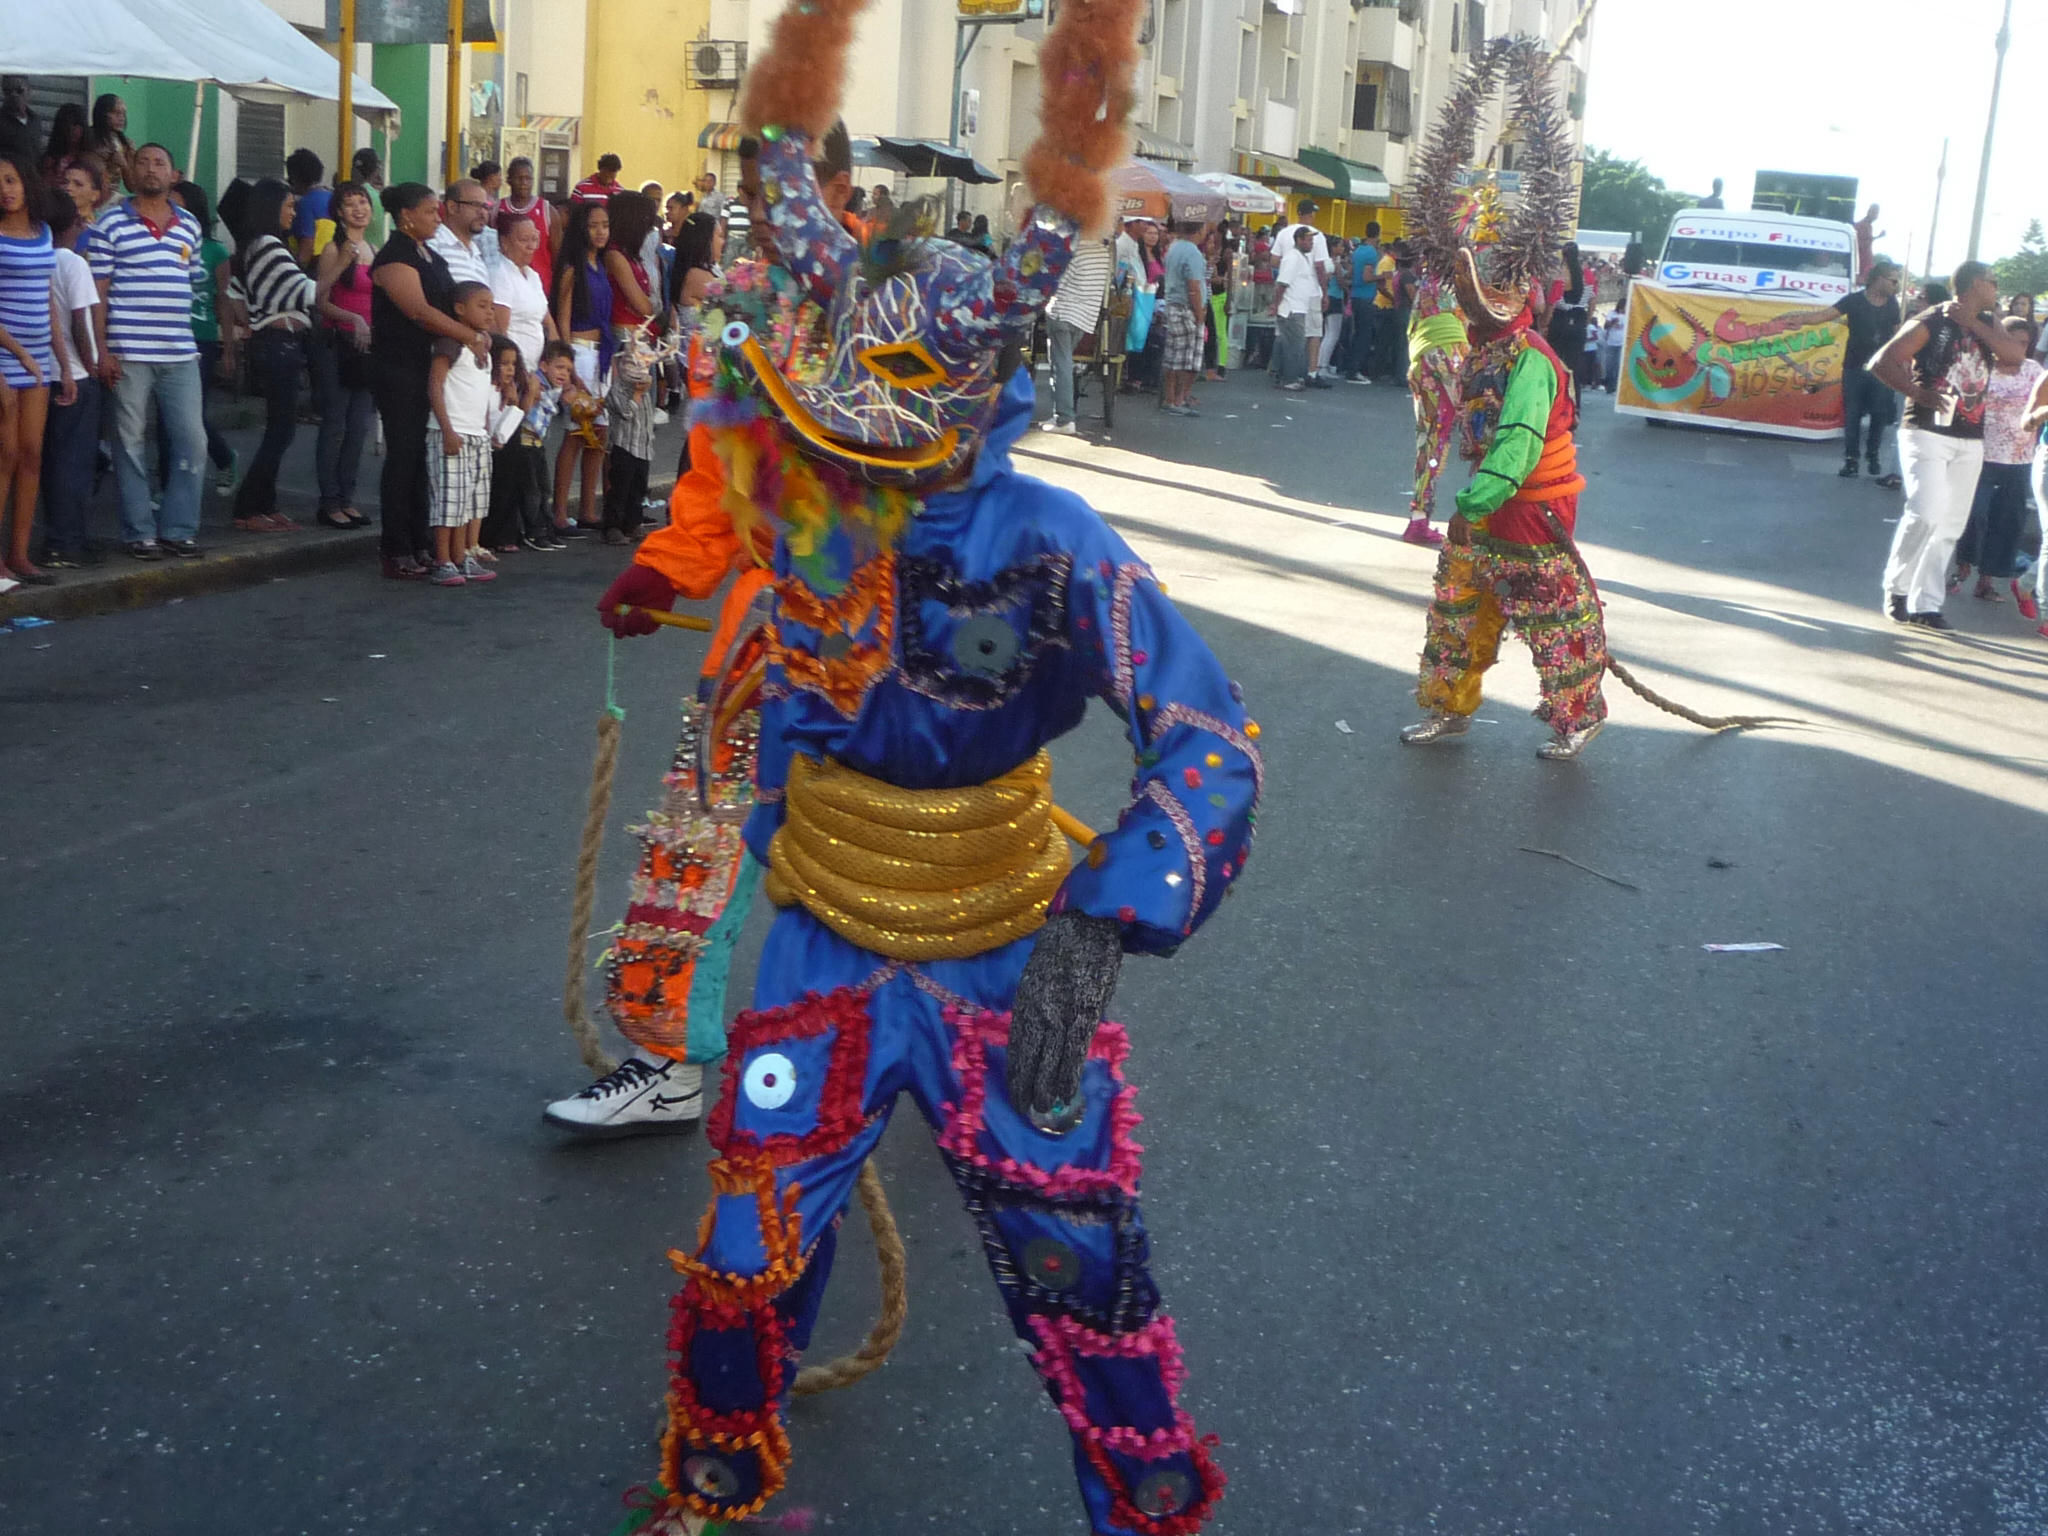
(918,327)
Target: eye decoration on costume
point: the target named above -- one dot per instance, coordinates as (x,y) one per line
(770,1082)
(903,365)
(735,332)
(1165,1492)
(1052,1264)
(984,645)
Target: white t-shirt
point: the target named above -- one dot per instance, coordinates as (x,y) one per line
(1301,293)
(1614,329)
(72,282)
(1319,252)
(519,291)
(467,392)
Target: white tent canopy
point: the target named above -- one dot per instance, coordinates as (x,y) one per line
(240,45)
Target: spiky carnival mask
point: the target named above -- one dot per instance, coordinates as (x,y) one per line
(1494,281)
(918,326)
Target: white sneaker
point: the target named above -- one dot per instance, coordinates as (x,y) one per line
(660,417)
(1063,428)
(644,1095)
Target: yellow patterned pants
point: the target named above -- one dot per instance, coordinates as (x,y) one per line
(1484,588)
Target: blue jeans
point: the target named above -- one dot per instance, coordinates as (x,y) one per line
(1864,394)
(68,443)
(1063,336)
(217,448)
(345,415)
(275,359)
(177,392)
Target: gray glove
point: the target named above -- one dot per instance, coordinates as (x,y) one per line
(1066,985)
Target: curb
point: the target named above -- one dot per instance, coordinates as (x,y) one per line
(112,590)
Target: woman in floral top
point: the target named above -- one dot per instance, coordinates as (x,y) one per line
(1991,539)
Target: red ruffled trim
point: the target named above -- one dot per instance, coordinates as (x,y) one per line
(1062,1342)
(841,1102)
(973,1034)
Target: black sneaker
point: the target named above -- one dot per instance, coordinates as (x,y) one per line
(534,541)
(1848,470)
(1895,608)
(566,531)
(182,549)
(1929,621)
(144,550)
(58,560)
(1875,470)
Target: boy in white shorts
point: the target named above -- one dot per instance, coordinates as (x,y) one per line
(461,392)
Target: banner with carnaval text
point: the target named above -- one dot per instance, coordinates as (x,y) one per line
(1730,360)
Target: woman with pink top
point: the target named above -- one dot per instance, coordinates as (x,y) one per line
(341,356)
(1991,539)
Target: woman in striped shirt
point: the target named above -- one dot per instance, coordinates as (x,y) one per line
(279,297)
(28,363)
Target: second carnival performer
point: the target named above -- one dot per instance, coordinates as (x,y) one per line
(935,620)
(1509,560)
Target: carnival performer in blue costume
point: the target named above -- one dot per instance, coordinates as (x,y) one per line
(938,619)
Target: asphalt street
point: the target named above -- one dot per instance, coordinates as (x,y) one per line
(1486,1199)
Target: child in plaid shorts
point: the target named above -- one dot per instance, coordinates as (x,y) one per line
(461,393)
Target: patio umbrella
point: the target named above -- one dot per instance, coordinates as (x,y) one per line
(1242,193)
(928,157)
(1143,190)
(869,153)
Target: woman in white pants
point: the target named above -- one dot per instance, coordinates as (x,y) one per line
(1941,362)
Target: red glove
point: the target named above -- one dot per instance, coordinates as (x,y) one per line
(637,586)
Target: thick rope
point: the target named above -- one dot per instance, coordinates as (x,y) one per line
(848,1369)
(889,1255)
(574,1009)
(1630,681)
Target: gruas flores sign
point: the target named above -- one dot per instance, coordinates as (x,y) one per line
(1728,360)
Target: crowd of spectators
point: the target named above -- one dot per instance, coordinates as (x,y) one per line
(468,329)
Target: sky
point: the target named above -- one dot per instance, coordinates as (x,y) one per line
(1867,89)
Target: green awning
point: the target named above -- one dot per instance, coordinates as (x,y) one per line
(1355,183)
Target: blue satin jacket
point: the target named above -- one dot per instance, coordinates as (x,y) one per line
(1010,605)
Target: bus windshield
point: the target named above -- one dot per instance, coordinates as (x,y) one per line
(1756,255)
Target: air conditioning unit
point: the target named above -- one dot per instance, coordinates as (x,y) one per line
(716,65)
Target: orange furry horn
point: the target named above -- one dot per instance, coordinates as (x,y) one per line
(1085,64)
(799,81)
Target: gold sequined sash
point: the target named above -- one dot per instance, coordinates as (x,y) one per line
(919,874)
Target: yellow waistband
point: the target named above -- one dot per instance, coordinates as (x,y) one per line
(919,874)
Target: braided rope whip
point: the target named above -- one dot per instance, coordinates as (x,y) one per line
(1634,684)
(889,1255)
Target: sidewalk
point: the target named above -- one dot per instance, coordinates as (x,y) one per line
(234,558)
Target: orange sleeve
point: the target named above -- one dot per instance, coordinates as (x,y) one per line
(698,548)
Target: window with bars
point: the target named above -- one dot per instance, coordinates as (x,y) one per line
(1398,103)
(259,139)
(1475,23)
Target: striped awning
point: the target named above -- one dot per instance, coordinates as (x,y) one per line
(1355,182)
(720,136)
(1148,144)
(1281,169)
(572,126)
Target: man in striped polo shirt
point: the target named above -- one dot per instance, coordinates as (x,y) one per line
(142,252)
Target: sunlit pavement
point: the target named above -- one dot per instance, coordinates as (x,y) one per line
(1487,1201)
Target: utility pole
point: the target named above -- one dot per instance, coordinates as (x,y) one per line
(1934,223)
(1990,126)
(453,124)
(345,135)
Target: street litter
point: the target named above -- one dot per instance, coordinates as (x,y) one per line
(1345,727)
(1739,949)
(1565,858)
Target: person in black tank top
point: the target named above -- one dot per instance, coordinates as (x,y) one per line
(1941,362)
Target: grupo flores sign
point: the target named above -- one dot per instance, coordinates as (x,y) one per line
(1726,360)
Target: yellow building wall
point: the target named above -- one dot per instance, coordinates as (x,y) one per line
(638,103)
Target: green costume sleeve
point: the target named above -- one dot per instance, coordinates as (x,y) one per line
(1517,441)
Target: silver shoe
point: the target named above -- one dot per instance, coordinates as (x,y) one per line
(1562,749)
(1435,728)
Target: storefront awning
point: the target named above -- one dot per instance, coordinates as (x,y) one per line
(1355,183)
(720,136)
(1281,169)
(1149,145)
(554,125)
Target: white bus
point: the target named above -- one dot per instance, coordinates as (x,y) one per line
(1771,255)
